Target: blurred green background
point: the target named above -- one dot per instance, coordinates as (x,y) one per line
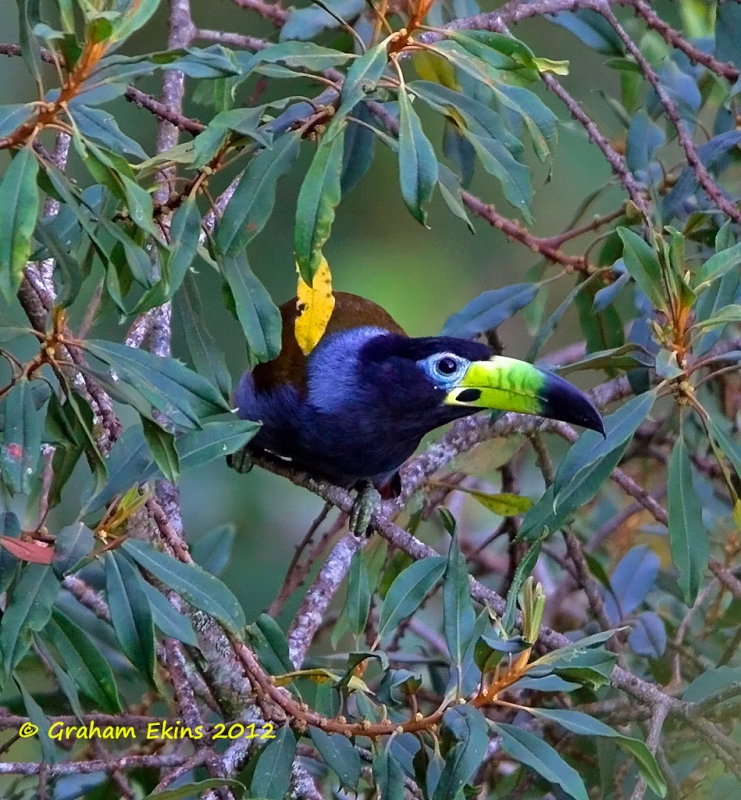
(376,250)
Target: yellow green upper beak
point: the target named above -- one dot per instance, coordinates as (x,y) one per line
(507,384)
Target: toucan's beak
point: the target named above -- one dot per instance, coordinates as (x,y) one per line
(507,384)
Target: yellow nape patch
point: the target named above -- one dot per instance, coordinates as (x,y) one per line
(314,305)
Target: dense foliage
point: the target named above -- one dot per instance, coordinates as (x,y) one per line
(433,683)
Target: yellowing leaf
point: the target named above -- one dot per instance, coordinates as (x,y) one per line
(506,505)
(547,65)
(317,675)
(315,307)
(431,67)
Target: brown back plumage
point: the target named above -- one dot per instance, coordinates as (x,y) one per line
(350,311)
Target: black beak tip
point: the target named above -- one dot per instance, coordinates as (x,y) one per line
(563,401)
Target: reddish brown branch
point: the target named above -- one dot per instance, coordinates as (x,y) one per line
(675,39)
(714,192)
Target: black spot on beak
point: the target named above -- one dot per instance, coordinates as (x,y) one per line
(468,396)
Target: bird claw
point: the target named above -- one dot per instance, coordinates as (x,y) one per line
(241,461)
(366,503)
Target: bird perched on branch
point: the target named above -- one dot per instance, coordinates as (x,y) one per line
(358,405)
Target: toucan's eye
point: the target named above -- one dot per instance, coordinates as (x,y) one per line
(447,365)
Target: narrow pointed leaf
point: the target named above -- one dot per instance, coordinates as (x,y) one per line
(458,614)
(408,590)
(84,662)
(131,614)
(27,611)
(340,755)
(258,315)
(162,447)
(272,775)
(19,208)
(417,161)
(468,726)
(642,263)
(319,196)
(191,582)
(687,534)
(181,394)
(252,203)
(532,751)
(20,450)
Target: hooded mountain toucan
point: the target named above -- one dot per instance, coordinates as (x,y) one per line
(357,406)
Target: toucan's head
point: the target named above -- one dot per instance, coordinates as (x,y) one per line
(432,380)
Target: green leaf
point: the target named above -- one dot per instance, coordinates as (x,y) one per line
(687,534)
(417,161)
(14,115)
(580,482)
(729,313)
(408,591)
(708,683)
(720,263)
(458,107)
(642,263)
(458,614)
(213,550)
(168,619)
(207,357)
(29,15)
(131,614)
(27,610)
(532,751)
(19,453)
(304,55)
(69,268)
(450,191)
(340,755)
(185,232)
(272,775)
(524,568)
(138,13)
(357,604)
(468,728)
(197,789)
(19,207)
(319,196)
(514,176)
(258,315)
(102,127)
(549,326)
(71,428)
(389,775)
(592,447)
(306,23)
(362,77)
(84,662)
(162,447)
(73,543)
(489,310)
(252,203)
(182,395)
(270,645)
(629,356)
(64,681)
(36,715)
(584,725)
(191,582)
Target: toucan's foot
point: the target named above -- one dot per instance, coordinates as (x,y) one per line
(241,460)
(367,501)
